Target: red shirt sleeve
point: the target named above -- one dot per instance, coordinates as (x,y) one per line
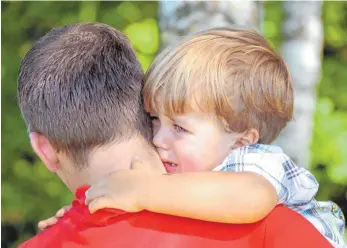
(287,229)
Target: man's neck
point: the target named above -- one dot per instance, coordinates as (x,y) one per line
(118,156)
(107,159)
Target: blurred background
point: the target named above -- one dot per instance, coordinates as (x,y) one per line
(311,36)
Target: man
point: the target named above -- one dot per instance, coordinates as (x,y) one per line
(79,91)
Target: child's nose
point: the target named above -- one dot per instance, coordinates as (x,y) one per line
(160,139)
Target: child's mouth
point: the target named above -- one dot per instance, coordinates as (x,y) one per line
(170,167)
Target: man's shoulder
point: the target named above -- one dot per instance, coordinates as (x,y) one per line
(31,243)
(58,235)
(42,239)
(287,228)
(158,230)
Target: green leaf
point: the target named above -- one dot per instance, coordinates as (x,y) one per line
(144,36)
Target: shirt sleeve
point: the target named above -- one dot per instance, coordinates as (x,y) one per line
(294,185)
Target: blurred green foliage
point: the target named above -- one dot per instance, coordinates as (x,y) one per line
(329,144)
(30,192)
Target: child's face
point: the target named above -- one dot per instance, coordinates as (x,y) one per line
(191,142)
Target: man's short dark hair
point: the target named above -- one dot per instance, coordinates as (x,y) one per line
(80,86)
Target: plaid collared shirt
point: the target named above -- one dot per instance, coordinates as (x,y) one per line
(296,187)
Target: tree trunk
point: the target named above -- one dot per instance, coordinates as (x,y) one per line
(179,18)
(302,48)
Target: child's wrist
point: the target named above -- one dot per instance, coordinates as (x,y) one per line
(146,191)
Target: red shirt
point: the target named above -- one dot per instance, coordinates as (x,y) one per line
(283,228)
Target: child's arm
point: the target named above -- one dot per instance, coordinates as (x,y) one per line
(226,197)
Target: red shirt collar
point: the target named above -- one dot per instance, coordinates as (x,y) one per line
(101,217)
(80,194)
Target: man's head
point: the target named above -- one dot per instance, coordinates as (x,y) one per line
(79,90)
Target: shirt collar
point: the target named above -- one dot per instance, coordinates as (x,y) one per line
(101,217)
(80,194)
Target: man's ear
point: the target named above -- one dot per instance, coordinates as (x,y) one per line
(251,136)
(43,148)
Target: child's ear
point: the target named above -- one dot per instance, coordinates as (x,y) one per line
(43,148)
(251,136)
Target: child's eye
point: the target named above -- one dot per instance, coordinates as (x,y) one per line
(179,129)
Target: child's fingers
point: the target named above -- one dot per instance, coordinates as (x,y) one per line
(60,213)
(100,203)
(47,223)
(42,225)
(93,193)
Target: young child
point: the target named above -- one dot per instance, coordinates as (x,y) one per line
(217,101)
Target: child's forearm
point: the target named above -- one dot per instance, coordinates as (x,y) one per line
(226,197)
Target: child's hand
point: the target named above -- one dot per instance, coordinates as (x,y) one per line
(122,189)
(44,224)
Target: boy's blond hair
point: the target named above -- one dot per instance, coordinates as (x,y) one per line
(234,74)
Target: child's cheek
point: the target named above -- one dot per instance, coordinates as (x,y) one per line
(189,155)
(191,163)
